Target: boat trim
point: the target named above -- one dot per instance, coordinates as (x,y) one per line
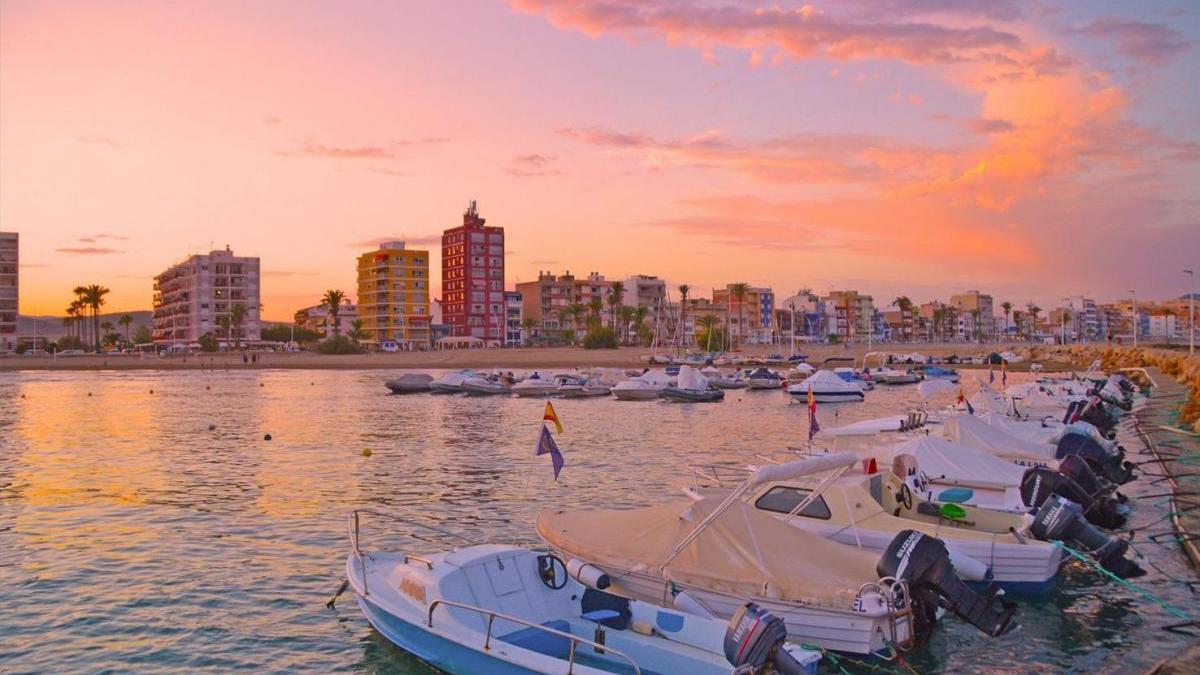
(491,617)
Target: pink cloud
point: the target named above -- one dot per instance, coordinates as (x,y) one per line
(1149,43)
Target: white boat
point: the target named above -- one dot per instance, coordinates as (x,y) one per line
(827,387)
(713,553)
(763,378)
(539,384)
(591,387)
(692,387)
(896,376)
(494,608)
(645,387)
(451,383)
(409,383)
(868,511)
(487,385)
(863,380)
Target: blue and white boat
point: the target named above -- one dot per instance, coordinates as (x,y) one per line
(827,387)
(495,608)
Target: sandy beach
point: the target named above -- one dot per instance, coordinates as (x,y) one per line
(525,358)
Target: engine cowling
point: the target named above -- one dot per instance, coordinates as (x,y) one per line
(754,640)
(923,563)
(1039,483)
(1063,520)
(1110,465)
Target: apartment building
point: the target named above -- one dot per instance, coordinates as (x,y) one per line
(752,317)
(851,314)
(9,288)
(514,319)
(974,315)
(319,319)
(473,278)
(650,292)
(393,295)
(192,296)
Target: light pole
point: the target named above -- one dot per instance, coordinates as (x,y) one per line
(1063,320)
(1133,295)
(1191,312)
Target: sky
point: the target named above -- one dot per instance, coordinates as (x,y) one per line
(1033,150)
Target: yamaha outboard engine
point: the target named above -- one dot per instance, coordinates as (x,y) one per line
(1095,414)
(1040,482)
(754,642)
(922,562)
(1062,520)
(1077,469)
(1110,465)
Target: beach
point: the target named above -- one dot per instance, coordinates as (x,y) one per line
(522,358)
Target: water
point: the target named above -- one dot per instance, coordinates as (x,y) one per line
(134,538)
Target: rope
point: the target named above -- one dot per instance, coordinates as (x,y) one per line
(1144,593)
(836,661)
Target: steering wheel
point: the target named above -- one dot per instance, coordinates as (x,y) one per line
(546,571)
(906,497)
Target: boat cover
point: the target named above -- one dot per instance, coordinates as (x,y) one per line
(824,380)
(744,552)
(935,386)
(764,373)
(972,431)
(690,378)
(940,457)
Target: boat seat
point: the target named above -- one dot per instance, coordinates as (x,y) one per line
(601,615)
(596,601)
(540,641)
(956,495)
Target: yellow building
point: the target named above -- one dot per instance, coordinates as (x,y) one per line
(393,295)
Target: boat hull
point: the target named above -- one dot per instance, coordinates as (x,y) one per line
(830,396)
(637,394)
(676,395)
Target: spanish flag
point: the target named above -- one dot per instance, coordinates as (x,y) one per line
(551,416)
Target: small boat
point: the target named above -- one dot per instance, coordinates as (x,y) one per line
(451,383)
(722,380)
(939,373)
(409,383)
(692,388)
(863,380)
(827,388)
(896,376)
(494,608)
(538,384)
(764,378)
(645,387)
(591,387)
(487,385)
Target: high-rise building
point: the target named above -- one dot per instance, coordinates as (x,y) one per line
(9,287)
(393,295)
(852,315)
(513,319)
(191,296)
(752,317)
(649,292)
(548,297)
(473,278)
(974,315)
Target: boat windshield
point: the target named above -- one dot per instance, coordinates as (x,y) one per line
(782,499)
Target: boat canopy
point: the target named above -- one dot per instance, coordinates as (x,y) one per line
(824,380)
(690,378)
(940,457)
(743,552)
(977,433)
(936,385)
(764,373)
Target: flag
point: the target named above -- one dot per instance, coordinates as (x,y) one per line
(1004,372)
(962,398)
(813,427)
(551,416)
(991,375)
(546,446)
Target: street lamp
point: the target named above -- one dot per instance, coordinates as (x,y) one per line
(1191,312)
(1063,317)
(1133,295)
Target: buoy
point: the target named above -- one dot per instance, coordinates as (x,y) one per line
(212,427)
(207,387)
(366,452)
(89,393)
(260,384)
(266,437)
(151,391)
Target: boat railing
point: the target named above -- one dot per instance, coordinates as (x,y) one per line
(492,615)
(354,529)
(719,475)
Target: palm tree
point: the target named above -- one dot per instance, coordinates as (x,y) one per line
(564,314)
(578,313)
(237,316)
(1033,312)
(595,306)
(939,320)
(625,313)
(905,306)
(126,321)
(684,289)
(333,305)
(739,291)
(639,318)
(93,297)
(1007,307)
(614,300)
(224,322)
(357,332)
(528,323)
(709,323)
(975,313)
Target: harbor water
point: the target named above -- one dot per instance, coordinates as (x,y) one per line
(147,526)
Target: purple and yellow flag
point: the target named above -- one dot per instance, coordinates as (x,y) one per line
(546,446)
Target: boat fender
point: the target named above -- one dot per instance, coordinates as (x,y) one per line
(588,574)
(967,567)
(1063,520)
(684,602)
(923,563)
(642,627)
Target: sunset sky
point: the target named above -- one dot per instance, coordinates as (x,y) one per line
(1029,149)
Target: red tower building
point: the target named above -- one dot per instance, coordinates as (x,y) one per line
(473,278)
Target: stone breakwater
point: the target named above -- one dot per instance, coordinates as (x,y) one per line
(1174,364)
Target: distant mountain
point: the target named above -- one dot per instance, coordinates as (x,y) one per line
(51,326)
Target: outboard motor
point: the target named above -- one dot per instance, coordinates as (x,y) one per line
(922,562)
(754,642)
(1077,469)
(1062,520)
(1110,465)
(1073,408)
(1095,414)
(1039,483)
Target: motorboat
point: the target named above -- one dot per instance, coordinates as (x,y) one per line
(864,380)
(721,380)
(692,387)
(645,387)
(763,378)
(896,376)
(539,384)
(591,387)
(799,372)
(868,510)
(492,608)
(409,383)
(827,387)
(494,384)
(939,373)
(712,554)
(452,382)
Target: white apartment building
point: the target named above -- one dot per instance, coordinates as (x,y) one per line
(190,296)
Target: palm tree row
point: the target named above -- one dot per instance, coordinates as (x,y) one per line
(87,299)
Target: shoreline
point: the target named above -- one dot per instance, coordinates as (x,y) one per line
(522,358)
